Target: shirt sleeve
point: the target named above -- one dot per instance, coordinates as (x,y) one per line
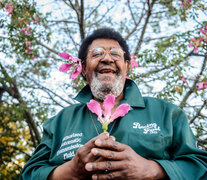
(38,166)
(187,161)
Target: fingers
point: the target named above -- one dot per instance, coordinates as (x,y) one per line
(109,143)
(84,154)
(108,154)
(90,144)
(111,175)
(104,165)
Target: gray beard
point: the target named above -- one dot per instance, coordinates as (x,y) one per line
(101,90)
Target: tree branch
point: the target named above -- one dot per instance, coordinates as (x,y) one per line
(94,10)
(52,50)
(14,92)
(149,12)
(193,87)
(48,91)
(198,112)
(136,23)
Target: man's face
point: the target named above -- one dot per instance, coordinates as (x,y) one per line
(105,68)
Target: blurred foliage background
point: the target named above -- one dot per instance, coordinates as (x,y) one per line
(167,37)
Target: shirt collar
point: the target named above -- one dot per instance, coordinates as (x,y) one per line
(132,95)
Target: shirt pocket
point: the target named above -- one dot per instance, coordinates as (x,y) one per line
(150,146)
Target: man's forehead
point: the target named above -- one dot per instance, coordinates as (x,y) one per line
(105,43)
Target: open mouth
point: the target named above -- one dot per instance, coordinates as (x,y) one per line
(104,71)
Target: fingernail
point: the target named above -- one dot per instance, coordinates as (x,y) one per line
(98,142)
(89,167)
(113,138)
(94,177)
(106,133)
(94,151)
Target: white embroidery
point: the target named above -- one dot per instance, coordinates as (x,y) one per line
(69,143)
(151,128)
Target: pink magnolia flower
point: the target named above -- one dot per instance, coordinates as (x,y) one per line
(34,57)
(27,43)
(25,30)
(108,105)
(196,43)
(133,61)
(74,62)
(28,50)
(183,79)
(202,85)
(185,3)
(36,20)
(9,8)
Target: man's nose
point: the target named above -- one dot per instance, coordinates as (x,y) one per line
(107,58)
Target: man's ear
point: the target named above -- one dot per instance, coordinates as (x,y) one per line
(127,62)
(83,70)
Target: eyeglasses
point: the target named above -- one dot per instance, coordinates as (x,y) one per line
(115,53)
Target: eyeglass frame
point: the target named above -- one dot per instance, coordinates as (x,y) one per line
(109,52)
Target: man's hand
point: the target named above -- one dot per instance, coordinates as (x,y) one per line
(121,162)
(75,169)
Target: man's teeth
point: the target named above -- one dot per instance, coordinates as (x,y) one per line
(106,71)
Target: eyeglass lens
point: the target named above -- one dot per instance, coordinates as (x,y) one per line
(115,53)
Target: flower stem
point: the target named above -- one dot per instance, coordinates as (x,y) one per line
(105,127)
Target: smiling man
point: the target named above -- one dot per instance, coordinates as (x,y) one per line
(105,69)
(152,141)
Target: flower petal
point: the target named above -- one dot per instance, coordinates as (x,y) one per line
(75,59)
(120,111)
(108,104)
(134,63)
(200,86)
(190,44)
(95,107)
(77,71)
(75,74)
(202,31)
(183,79)
(65,67)
(201,39)
(65,55)
(195,50)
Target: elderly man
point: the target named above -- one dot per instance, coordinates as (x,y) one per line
(152,141)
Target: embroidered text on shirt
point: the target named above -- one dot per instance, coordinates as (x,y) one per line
(151,128)
(69,144)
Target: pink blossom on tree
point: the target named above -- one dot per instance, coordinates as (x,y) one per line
(202,85)
(28,50)
(133,61)
(106,117)
(196,43)
(27,43)
(9,8)
(183,79)
(185,3)
(36,20)
(72,62)
(34,57)
(25,30)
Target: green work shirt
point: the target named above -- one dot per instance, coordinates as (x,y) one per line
(153,128)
